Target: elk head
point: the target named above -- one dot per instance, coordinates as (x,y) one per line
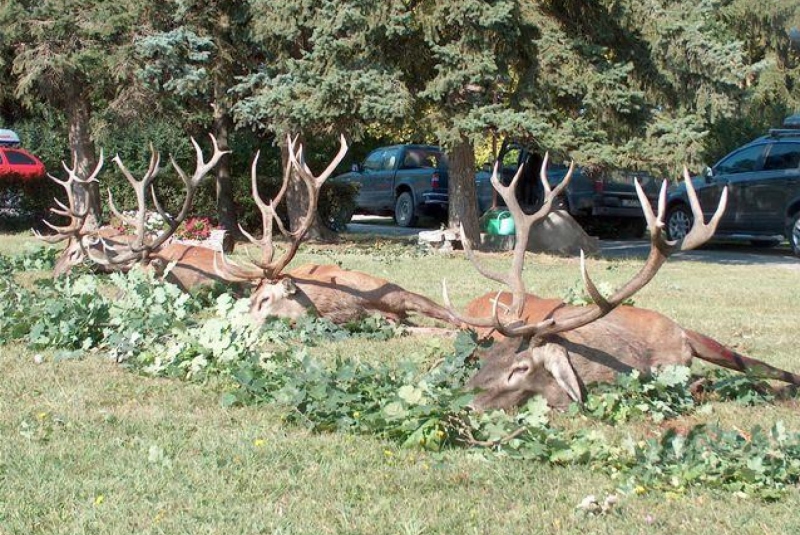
(534,358)
(275,294)
(518,374)
(105,246)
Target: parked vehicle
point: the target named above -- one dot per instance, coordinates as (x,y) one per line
(405,181)
(604,203)
(16,162)
(763,181)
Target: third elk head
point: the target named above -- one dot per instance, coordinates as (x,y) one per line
(536,353)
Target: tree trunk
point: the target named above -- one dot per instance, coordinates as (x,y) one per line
(297,204)
(84,160)
(226,208)
(461,189)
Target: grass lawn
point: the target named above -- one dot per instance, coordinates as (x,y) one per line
(88,447)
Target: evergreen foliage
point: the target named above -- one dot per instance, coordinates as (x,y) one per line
(651,84)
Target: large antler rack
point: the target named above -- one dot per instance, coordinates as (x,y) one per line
(660,249)
(77,215)
(268,267)
(142,247)
(523,224)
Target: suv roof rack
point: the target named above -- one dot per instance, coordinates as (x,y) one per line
(784,132)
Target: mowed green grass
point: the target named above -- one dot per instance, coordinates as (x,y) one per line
(87,447)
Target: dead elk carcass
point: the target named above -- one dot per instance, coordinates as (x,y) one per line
(326,290)
(112,250)
(549,348)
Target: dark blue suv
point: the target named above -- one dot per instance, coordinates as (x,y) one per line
(763,180)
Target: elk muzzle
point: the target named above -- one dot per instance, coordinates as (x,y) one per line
(279,298)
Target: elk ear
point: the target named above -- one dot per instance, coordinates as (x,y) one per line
(289,286)
(555,359)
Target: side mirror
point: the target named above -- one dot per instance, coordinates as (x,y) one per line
(709,174)
(355,168)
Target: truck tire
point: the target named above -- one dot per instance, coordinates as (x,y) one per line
(793,233)
(679,222)
(404,212)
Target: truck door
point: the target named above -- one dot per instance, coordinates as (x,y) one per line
(376,179)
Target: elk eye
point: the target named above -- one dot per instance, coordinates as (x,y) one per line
(520,370)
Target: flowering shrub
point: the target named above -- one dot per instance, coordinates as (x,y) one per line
(195,228)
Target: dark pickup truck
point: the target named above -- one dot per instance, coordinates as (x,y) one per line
(411,180)
(604,203)
(401,180)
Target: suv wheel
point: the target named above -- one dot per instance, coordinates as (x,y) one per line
(404,210)
(794,234)
(679,222)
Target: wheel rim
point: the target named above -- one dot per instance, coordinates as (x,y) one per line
(403,209)
(679,224)
(796,235)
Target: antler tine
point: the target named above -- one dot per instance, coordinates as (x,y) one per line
(234,272)
(313,185)
(468,320)
(140,188)
(77,217)
(660,250)
(700,231)
(524,223)
(267,267)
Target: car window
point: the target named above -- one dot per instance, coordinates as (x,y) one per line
(18,158)
(782,156)
(389,159)
(743,161)
(373,161)
(414,159)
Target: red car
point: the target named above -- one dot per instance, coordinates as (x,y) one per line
(16,162)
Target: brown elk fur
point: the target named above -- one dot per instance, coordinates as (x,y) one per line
(194,265)
(628,338)
(340,295)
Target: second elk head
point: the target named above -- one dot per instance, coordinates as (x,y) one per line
(276,294)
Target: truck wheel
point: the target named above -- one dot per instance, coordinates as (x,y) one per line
(404,210)
(793,233)
(679,222)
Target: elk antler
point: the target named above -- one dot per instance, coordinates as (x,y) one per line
(660,250)
(268,268)
(142,247)
(72,210)
(523,224)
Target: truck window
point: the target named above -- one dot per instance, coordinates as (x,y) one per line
(782,156)
(389,159)
(414,159)
(421,159)
(374,161)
